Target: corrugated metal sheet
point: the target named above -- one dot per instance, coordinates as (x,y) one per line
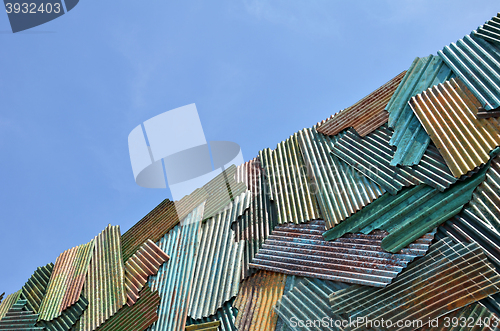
(175,278)
(258,294)
(481,113)
(410,214)
(471,317)
(9,301)
(372,156)
(449,277)
(218,262)
(354,258)
(409,136)
(490,31)
(18,319)
(144,263)
(104,287)
(340,189)
(477,63)
(289,186)
(136,318)
(365,115)
(68,319)
(226,315)
(66,281)
(208,326)
(447,112)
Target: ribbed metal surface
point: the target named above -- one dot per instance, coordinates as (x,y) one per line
(208,326)
(490,31)
(8,302)
(447,112)
(136,318)
(144,263)
(1,297)
(372,156)
(66,281)
(175,279)
(409,136)
(68,319)
(449,277)
(226,315)
(104,287)
(340,189)
(477,63)
(18,319)
(289,186)
(35,288)
(354,258)
(365,115)
(258,294)
(472,317)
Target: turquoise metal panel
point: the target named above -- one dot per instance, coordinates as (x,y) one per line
(226,315)
(19,319)
(490,31)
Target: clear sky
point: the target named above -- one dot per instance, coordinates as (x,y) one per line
(72,90)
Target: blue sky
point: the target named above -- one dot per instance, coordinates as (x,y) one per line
(72,90)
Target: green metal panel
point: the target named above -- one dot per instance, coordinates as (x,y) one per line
(490,31)
(19,319)
(226,315)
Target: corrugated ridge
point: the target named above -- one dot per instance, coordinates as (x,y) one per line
(226,315)
(9,301)
(174,279)
(470,317)
(490,31)
(144,263)
(36,287)
(340,189)
(104,287)
(257,295)
(19,319)
(1,297)
(208,326)
(365,115)
(68,317)
(447,112)
(372,156)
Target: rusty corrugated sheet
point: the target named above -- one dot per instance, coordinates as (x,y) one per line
(340,189)
(409,136)
(208,326)
(447,112)
(68,319)
(66,281)
(365,115)
(174,279)
(9,301)
(226,315)
(104,286)
(19,319)
(258,294)
(144,263)
(288,183)
(449,277)
(490,31)
(354,258)
(372,156)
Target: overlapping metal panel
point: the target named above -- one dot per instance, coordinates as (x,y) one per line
(144,263)
(474,317)
(290,188)
(447,112)
(208,326)
(9,301)
(449,277)
(354,258)
(477,63)
(68,319)
(340,189)
(490,31)
(18,319)
(104,286)
(174,279)
(137,317)
(226,315)
(365,115)
(258,294)
(409,136)
(66,281)
(372,156)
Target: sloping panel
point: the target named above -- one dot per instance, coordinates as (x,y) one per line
(8,302)
(208,326)
(449,277)
(410,214)
(409,136)
(226,315)
(258,294)
(68,319)
(35,288)
(174,279)
(104,286)
(472,317)
(144,263)
(340,189)
(289,186)
(372,156)
(365,115)
(354,258)
(1,296)
(447,112)
(490,31)
(66,281)
(19,319)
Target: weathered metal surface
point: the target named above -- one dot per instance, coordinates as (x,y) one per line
(354,258)
(68,319)
(409,136)
(36,287)
(104,286)
(218,262)
(144,263)
(174,279)
(256,298)
(481,113)
(137,317)
(340,189)
(8,302)
(226,315)
(447,112)
(289,186)
(372,156)
(490,31)
(66,281)
(19,319)
(208,326)
(449,277)
(365,115)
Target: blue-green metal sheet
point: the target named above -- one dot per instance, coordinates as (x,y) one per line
(490,31)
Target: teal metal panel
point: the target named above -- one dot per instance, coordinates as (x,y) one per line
(226,315)
(490,31)
(19,319)
(8,302)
